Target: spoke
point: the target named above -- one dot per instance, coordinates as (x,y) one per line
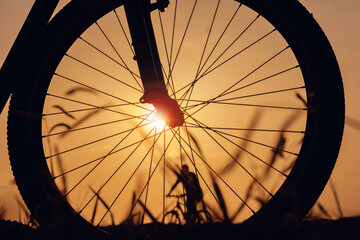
(191,148)
(261,106)
(112,59)
(147,183)
(173,32)
(104,73)
(242,104)
(97,107)
(164,39)
(182,39)
(203,52)
(252,141)
(87,86)
(113,174)
(90,109)
(221,134)
(105,157)
(207,70)
(168,77)
(247,171)
(210,69)
(264,93)
(102,92)
(117,53)
(179,140)
(170,84)
(226,92)
(95,125)
(218,41)
(217,175)
(164,166)
(252,72)
(123,30)
(245,129)
(98,159)
(233,56)
(130,46)
(181,161)
(250,95)
(149,175)
(98,140)
(207,38)
(191,158)
(258,81)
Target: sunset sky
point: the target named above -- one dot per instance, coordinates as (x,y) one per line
(340,21)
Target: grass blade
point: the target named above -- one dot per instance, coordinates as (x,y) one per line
(146,210)
(336,197)
(79,89)
(61,170)
(220,197)
(231,163)
(64,111)
(105,205)
(323,210)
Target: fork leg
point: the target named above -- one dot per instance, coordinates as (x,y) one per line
(147,56)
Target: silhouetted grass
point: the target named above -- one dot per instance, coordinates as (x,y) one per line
(206,215)
(100,199)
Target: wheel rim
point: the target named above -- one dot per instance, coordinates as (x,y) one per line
(240,137)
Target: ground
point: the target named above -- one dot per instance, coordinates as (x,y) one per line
(317,229)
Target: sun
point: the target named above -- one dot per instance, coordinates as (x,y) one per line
(156,122)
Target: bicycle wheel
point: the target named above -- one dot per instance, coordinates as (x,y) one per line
(263,102)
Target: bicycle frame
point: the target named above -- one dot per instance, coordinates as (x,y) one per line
(26,48)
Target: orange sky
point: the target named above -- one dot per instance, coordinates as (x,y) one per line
(341,22)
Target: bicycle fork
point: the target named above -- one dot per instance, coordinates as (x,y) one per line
(148,60)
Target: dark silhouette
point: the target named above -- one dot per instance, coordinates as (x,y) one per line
(193,192)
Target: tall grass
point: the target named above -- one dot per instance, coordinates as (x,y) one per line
(177,214)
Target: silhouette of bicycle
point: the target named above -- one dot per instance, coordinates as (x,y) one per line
(247,93)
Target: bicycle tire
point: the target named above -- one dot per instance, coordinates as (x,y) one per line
(300,190)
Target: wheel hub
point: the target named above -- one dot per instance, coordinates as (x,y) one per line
(166,108)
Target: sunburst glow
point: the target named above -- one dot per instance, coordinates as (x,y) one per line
(156,122)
